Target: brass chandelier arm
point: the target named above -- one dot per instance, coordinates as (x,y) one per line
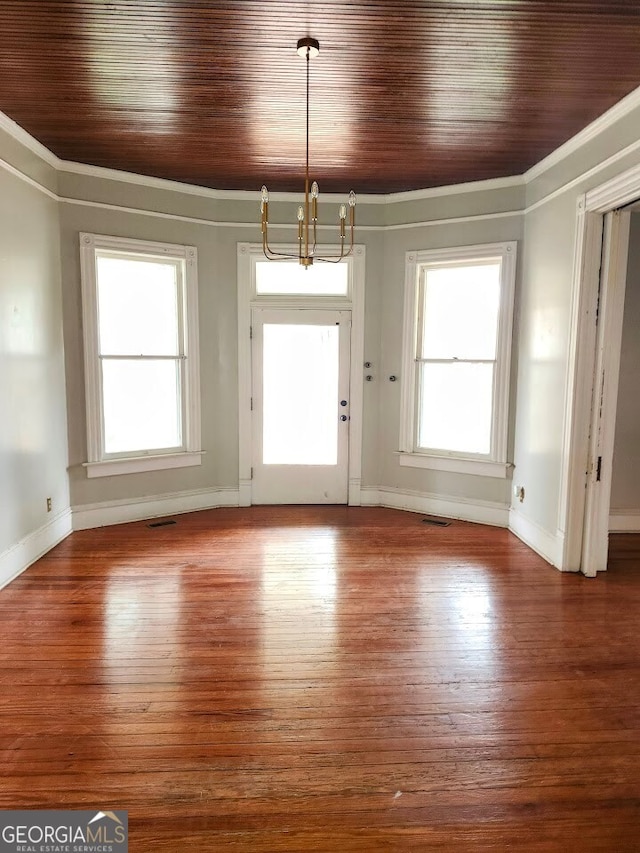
(268,252)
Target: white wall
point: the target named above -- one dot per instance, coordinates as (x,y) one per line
(215,226)
(488,227)
(33,430)
(33,447)
(625,486)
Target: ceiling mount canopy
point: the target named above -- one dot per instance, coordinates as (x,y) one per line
(309,48)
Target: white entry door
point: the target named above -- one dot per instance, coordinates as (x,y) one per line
(300,399)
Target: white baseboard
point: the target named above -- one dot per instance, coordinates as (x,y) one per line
(481,512)
(103,514)
(624,521)
(21,555)
(549,547)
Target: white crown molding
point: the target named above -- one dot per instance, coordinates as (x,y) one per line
(618,111)
(253,196)
(18,133)
(28,180)
(586,176)
(23,554)
(87,170)
(453,189)
(90,171)
(601,124)
(623,108)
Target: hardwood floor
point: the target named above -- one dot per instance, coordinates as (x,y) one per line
(324,679)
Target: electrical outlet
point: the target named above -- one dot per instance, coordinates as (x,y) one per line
(49,504)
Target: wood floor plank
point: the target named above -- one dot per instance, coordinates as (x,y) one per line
(325,679)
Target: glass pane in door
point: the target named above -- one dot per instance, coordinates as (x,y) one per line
(300,394)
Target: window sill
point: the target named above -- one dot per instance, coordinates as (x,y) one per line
(137,464)
(478,467)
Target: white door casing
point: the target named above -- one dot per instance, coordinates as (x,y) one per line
(248,256)
(583,512)
(605,392)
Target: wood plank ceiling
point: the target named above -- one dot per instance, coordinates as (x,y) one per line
(404,95)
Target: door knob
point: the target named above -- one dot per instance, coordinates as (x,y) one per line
(343,402)
(344,418)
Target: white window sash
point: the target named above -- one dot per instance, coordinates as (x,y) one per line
(437,451)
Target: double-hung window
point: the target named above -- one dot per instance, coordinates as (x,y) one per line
(457,352)
(141,355)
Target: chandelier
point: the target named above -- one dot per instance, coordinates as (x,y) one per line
(308,213)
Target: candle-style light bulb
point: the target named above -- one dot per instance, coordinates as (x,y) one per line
(352,199)
(342,213)
(300,214)
(265,193)
(264,199)
(314,190)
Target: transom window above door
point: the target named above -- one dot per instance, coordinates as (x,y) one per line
(300,377)
(286,280)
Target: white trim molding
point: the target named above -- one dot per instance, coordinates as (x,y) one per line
(88,170)
(152,462)
(24,553)
(579,383)
(248,254)
(577,462)
(184,261)
(17,173)
(88,516)
(13,129)
(480,512)
(477,467)
(549,546)
(624,521)
(604,407)
(601,124)
(618,111)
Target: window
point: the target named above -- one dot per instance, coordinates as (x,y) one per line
(457,349)
(141,355)
(288,278)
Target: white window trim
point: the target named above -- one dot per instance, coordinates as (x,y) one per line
(98,463)
(495,463)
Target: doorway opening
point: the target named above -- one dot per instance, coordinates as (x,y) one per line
(600,276)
